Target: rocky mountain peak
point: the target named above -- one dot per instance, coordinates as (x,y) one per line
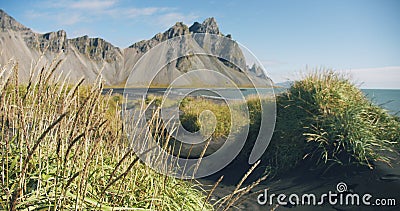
(257,70)
(176,30)
(9,23)
(96,48)
(51,41)
(209,25)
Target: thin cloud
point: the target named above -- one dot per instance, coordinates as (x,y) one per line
(169,19)
(80,4)
(92,4)
(380,77)
(272,62)
(31,14)
(71,19)
(138,12)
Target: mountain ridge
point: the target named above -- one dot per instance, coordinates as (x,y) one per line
(87,57)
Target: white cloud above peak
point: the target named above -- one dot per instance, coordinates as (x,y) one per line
(92,4)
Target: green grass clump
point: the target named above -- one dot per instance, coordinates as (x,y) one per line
(328,119)
(158,101)
(193,120)
(63,148)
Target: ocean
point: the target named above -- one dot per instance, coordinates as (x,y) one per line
(389,99)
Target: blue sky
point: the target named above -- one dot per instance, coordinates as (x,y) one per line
(288,37)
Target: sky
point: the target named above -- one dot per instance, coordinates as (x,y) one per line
(358,37)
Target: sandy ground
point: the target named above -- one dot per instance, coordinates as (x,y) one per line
(382,182)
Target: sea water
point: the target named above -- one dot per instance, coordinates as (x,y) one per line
(388,99)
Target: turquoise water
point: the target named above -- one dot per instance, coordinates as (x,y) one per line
(386,98)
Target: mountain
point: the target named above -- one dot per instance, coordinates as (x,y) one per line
(88,57)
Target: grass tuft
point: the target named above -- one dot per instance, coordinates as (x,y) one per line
(326,118)
(63,148)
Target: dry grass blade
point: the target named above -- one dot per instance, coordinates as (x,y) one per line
(37,142)
(245,191)
(228,198)
(212,190)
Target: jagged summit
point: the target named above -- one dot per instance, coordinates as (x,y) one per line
(95,48)
(51,41)
(8,22)
(209,25)
(176,30)
(88,57)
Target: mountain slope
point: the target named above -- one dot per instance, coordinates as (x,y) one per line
(88,57)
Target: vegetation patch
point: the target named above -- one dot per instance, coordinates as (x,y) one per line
(326,118)
(226,119)
(63,148)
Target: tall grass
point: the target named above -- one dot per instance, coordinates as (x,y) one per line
(228,119)
(325,117)
(63,148)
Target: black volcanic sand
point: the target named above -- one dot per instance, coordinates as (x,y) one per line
(381,182)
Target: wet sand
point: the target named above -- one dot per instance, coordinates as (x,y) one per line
(382,182)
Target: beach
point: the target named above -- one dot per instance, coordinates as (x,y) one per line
(382,182)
